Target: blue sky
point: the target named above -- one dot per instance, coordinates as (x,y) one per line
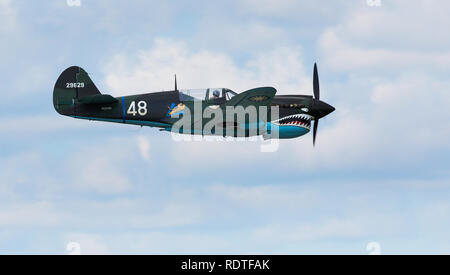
(379,172)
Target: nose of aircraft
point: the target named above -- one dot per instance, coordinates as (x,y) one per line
(320,109)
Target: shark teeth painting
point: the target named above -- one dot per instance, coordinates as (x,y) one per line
(298,120)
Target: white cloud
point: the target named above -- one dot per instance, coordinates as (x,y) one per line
(135,212)
(27,125)
(188,158)
(270,6)
(172,215)
(153,70)
(100,175)
(401,25)
(144,147)
(281,196)
(251,37)
(24,175)
(405,122)
(101,168)
(350,137)
(333,228)
(295,10)
(167,243)
(113,13)
(414,102)
(342,55)
(8,14)
(29,214)
(40,77)
(396,37)
(89,244)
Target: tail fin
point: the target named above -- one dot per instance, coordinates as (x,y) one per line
(72,85)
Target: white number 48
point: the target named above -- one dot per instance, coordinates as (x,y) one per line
(141,108)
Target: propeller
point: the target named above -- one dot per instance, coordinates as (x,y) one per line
(319,108)
(316,83)
(316,126)
(316,89)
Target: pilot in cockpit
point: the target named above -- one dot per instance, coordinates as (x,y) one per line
(216,94)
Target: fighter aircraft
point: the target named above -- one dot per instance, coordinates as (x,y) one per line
(207,111)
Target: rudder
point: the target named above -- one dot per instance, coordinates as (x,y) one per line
(72,85)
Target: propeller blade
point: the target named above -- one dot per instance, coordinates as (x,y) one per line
(316,126)
(316,83)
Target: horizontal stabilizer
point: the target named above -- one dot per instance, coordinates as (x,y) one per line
(97,99)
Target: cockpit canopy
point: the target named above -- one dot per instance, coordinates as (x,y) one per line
(206,94)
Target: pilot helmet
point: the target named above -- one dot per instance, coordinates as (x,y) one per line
(216,93)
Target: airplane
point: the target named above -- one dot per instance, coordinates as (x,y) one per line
(289,116)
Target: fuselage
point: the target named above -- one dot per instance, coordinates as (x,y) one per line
(164,109)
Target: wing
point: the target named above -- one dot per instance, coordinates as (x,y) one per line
(255,97)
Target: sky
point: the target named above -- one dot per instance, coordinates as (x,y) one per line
(379,173)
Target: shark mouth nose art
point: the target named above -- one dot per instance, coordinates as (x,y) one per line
(300,120)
